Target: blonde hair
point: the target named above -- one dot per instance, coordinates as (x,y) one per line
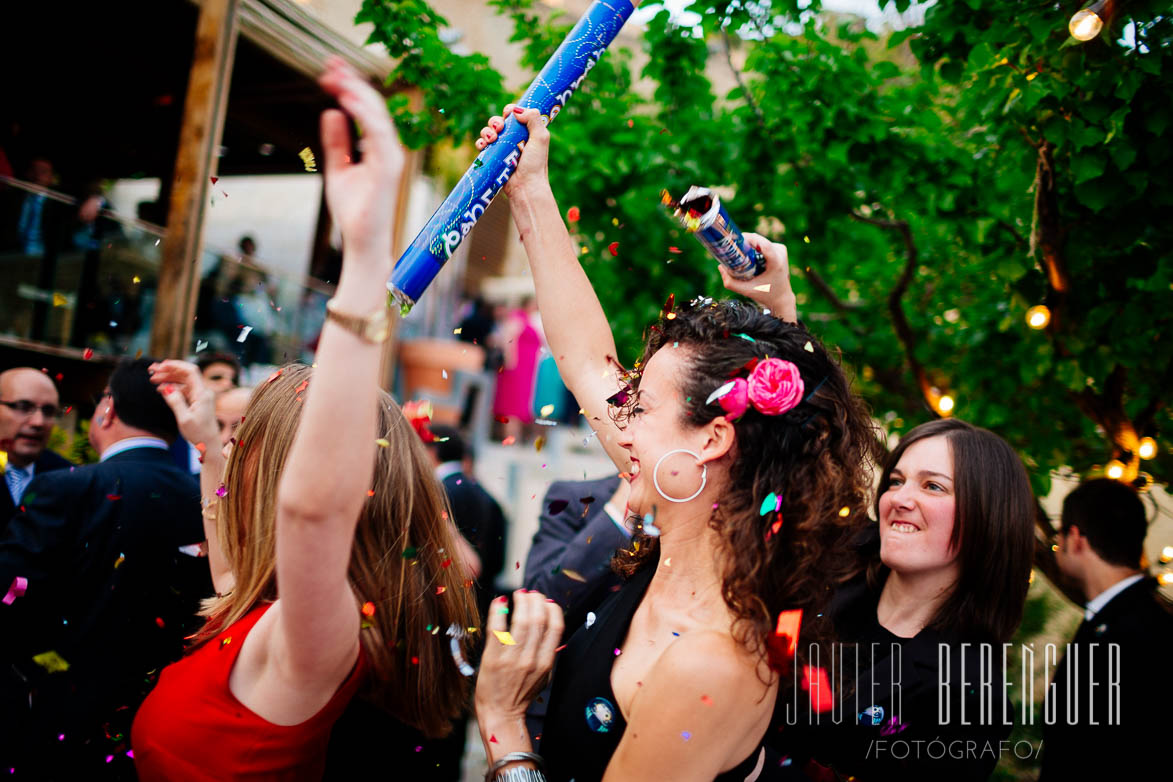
(404,567)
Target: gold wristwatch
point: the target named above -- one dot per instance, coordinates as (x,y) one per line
(374,328)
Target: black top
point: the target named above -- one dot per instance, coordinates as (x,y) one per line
(895,702)
(584,725)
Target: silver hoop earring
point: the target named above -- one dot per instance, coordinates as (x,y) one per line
(656,475)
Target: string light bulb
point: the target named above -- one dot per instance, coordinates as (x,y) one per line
(1115,469)
(1087,23)
(945,404)
(1038,316)
(1166,555)
(1165,579)
(1146,448)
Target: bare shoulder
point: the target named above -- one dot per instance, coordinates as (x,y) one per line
(711,659)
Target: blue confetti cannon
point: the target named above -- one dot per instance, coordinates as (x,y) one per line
(702,214)
(548,93)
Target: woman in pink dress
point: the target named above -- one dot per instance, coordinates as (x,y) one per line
(521,340)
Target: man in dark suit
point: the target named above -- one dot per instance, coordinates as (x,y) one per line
(106,582)
(1104,714)
(29,407)
(581,525)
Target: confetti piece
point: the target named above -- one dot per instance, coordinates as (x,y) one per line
(510,440)
(244,332)
(504,637)
(573,575)
(613,248)
(409,552)
(746,337)
(368,608)
(539,443)
(478,163)
(721,391)
(382,442)
(763,288)
(446,562)
(87,354)
(770,504)
(415,661)
(686,735)
(572,214)
(618,651)
(845,511)
(493,739)
(275,375)
(222,491)
(114,497)
(457,330)
(51,662)
(650,527)
(808,347)
(17,589)
(668,562)
(814,681)
(307,158)
(304,385)
(214,179)
(118,562)
(546,410)
(441,590)
(590,620)
(674,250)
(159,621)
(705,699)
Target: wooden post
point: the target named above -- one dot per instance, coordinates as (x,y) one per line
(196,161)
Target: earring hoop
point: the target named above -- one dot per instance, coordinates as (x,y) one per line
(656,478)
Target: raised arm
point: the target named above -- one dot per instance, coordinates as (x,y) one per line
(572,317)
(331,462)
(194,405)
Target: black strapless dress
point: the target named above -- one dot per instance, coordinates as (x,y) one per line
(583,723)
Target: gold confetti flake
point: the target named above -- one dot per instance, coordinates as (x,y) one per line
(307,157)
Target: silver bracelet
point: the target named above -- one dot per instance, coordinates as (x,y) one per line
(520,774)
(517,774)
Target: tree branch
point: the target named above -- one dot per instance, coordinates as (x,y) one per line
(757,110)
(895,304)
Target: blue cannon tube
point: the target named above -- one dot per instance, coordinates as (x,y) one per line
(548,93)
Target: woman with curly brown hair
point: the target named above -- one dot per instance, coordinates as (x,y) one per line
(743,443)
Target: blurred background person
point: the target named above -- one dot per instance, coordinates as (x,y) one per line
(29,407)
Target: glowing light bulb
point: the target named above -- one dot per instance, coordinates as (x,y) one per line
(1038,316)
(1086,24)
(945,404)
(1165,579)
(1115,470)
(1147,448)
(1167,554)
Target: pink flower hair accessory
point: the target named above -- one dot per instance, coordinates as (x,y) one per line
(775,386)
(733,397)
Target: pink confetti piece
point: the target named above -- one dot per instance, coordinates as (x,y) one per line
(19,585)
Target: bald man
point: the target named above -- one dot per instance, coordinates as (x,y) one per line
(29,408)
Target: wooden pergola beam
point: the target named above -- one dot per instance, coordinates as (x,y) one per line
(199,143)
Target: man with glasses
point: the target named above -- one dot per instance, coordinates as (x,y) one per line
(104,559)
(28,411)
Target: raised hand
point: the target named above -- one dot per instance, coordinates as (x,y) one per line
(771,288)
(194,404)
(361,195)
(532,167)
(512,674)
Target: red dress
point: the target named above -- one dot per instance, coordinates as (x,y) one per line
(191,727)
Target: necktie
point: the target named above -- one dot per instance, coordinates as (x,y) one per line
(17,479)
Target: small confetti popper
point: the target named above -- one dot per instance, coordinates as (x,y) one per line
(702,215)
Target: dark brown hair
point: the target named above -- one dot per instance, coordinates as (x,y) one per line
(403,561)
(993,531)
(817,457)
(1112,518)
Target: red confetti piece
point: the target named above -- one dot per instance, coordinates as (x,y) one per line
(274,376)
(302,387)
(705,699)
(113,496)
(60,376)
(674,250)
(214,179)
(159,621)
(368,608)
(87,354)
(68,409)
(572,214)
(560,648)
(493,740)
(370,492)
(814,681)
(502,419)
(415,661)
(446,562)
(441,590)
(613,248)
(510,440)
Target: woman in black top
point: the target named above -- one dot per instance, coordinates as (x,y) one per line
(941,584)
(743,443)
